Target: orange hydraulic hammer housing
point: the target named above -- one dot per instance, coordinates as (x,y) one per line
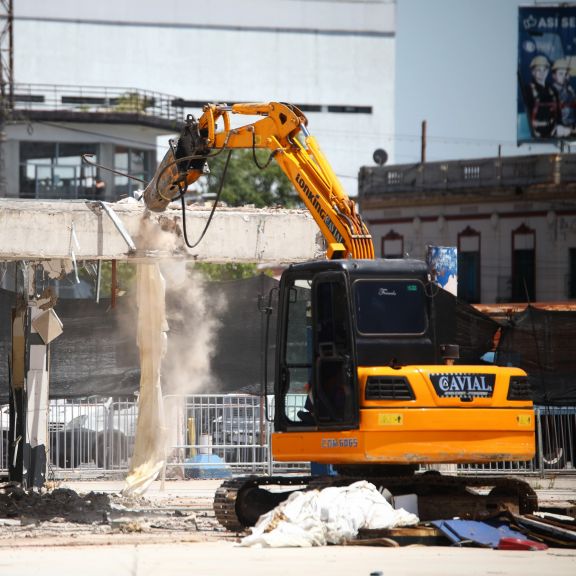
(364,337)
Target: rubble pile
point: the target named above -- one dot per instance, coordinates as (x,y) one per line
(63,513)
(15,502)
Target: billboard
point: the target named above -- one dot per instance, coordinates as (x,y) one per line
(546,73)
(443,266)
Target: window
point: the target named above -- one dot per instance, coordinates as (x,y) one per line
(134,162)
(523,264)
(572,273)
(390,307)
(55,170)
(298,345)
(469,265)
(392,245)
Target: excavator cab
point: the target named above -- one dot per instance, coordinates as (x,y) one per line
(336,315)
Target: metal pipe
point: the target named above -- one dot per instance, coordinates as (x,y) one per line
(98,280)
(119,225)
(113,286)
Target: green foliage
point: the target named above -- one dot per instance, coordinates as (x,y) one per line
(132,102)
(245,183)
(224,272)
(125,277)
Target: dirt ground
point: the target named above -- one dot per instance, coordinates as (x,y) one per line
(86,515)
(89,528)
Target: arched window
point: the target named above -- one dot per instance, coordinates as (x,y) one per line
(523,264)
(469,265)
(393,245)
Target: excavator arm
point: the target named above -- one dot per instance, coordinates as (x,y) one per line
(282,130)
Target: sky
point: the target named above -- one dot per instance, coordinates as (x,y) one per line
(456,64)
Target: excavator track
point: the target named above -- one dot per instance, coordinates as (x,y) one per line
(239,502)
(441,497)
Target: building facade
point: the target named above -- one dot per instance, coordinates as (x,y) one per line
(70,142)
(318,54)
(513,221)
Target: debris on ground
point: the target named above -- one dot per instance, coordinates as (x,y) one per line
(329,516)
(485,534)
(359,515)
(62,516)
(64,513)
(504,531)
(558,532)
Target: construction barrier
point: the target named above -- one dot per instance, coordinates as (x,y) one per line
(215,435)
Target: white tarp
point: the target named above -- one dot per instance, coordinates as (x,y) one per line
(329,516)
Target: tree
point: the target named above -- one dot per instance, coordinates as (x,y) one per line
(246,183)
(224,272)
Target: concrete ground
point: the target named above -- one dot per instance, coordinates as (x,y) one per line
(217,553)
(549,488)
(222,558)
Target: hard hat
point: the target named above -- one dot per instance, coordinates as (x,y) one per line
(540,61)
(561,64)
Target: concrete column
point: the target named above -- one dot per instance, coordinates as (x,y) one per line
(33,328)
(36,432)
(20,324)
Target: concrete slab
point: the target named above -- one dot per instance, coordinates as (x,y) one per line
(85,230)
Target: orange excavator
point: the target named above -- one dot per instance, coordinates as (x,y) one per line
(387,396)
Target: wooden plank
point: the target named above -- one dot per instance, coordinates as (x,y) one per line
(421,535)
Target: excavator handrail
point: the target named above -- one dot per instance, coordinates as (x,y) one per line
(301,159)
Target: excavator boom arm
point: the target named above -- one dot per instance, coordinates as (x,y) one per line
(281,129)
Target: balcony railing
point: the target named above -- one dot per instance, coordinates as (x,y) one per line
(457,176)
(107,102)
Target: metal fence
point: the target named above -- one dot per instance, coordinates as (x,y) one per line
(84,434)
(211,435)
(224,434)
(53,98)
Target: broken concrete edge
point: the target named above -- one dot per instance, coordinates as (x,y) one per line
(126,230)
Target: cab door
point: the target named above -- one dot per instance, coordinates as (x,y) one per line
(294,368)
(315,382)
(334,384)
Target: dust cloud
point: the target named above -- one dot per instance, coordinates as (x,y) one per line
(193,318)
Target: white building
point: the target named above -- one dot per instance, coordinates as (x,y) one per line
(334,58)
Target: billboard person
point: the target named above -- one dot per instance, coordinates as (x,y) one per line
(566,97)
(542,104)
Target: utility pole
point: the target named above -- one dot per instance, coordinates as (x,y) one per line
(423,143)
(6,81)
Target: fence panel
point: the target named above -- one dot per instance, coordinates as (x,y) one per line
(556,435)
(226,433)
(231,433)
